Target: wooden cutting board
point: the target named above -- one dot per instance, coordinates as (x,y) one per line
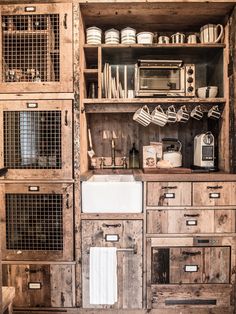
(167,170)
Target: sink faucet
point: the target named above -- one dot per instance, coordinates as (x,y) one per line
(113,159)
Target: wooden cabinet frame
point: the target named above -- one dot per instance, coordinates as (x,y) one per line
(44,218)
(64,136)
(65,83)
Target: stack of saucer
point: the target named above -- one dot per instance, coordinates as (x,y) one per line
(94,35)
(112,37)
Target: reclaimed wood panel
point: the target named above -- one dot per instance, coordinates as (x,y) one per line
(129,265)
(158,193)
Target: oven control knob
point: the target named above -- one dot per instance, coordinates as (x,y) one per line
(190,71)
(190,89)
(190,80)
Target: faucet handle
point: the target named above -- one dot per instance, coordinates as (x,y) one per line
(124,159)
(102,164)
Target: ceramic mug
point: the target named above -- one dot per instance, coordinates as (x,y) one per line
(196,113)
(171,114)
(209,33)
(142,116)
(214,113)
(178,38)
(192,39)
(182,114)
(163,40)
(158,116)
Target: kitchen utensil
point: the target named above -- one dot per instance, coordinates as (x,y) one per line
(197,113)
(94,35)
(214,113)
(128,36)
(207,92)
(172,152)
(177,38)
(204,150)
(112,37)
(211,33)
(133,157)
(171,114)
(182,114)
(145,38)
(159,117)
(142,116)
(192,39)
(163,40)
(91,152)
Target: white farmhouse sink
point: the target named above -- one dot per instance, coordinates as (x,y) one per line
(112,194)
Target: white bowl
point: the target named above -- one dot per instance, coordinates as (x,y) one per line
(145,38)
(207,92)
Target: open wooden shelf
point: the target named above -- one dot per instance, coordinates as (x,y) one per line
(131,105)
(154,46)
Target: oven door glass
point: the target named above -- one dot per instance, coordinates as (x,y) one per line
(158,79)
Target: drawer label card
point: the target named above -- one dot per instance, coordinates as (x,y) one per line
(34,285)
(191,268)
(112,237)
(192,222)
(169,195)
(214,195)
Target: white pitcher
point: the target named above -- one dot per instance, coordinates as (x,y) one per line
(209,33)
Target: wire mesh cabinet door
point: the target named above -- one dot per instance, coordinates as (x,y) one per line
(37,221)
(37,139)
(36,48)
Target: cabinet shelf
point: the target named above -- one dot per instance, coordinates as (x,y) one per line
(131,105)
(156,46)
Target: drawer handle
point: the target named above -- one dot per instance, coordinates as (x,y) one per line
(216,187)
(112,225)
(34,271)
(191,215)
(67,201)
(65,21)
(169,187)
(191,253)
(66,118)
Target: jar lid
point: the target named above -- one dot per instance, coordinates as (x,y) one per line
(112,30)
(94,28)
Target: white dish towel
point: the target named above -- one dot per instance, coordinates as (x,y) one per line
(103,275)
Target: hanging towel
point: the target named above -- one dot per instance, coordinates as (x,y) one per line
(103,275)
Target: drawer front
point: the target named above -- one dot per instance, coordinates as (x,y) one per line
(190,296)
(168,194)
(190,221)
(41,285)
(214,193)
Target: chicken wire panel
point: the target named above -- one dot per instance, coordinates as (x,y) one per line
(30,48)
(34,222)
(32,139)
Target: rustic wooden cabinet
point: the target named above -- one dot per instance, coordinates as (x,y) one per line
(37,139)
(36,54)
(129,235)
(37,221)
(41,285)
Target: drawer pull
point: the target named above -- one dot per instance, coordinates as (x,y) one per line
(191,268)
(214,195)
(169,195)
(112,238)
(112,225)
(66,119)
(216,187)
(67,201)
(191,253)
(34,271)
(65,21)
(191,302)
(169,187)
(34,285)
(192,222)
(191,215)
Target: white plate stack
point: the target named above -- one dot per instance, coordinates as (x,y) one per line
(112,37)
(94,35)
(128,36)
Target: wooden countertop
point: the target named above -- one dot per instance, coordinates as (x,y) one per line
(8,294)
(140,176)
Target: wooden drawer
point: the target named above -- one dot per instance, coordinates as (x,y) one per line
(128,234)
(190,221)
(214,193)
(168,194)
(40,285)
(190,296)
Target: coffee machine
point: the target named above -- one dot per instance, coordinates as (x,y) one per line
(204,150)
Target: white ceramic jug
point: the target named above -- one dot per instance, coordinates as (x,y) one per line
(209,33)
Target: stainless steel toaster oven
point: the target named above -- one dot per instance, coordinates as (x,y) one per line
(171,78)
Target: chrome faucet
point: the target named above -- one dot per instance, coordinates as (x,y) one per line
(113,159)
